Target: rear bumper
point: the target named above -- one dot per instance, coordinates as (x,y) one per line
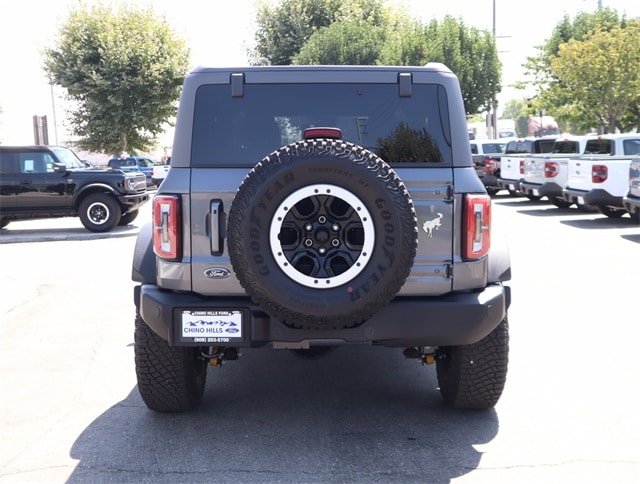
(454,319)
(507,184)
(593,198)
(543,189)
(631,204)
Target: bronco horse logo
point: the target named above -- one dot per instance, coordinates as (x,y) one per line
(430,225)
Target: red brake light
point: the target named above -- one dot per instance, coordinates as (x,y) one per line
(490,165)
(599,173)
(477,229)
(332,133)
(522,167)
(166,226)
(550,169)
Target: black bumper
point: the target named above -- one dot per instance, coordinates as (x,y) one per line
(542,189)
(133,202)
(454,319)
(592,198)
(631,204)
(507,184)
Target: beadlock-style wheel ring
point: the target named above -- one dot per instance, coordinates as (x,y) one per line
(322,236)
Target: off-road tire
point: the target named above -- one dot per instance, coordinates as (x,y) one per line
(473,376)
(296,255)
(127,218)
(170,379)
(99,212)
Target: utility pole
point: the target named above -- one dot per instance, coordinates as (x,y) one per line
(494,100)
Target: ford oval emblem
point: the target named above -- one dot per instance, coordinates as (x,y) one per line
(217,273)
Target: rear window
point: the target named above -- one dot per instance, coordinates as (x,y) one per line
(493,147)
(566,146)
(242,130)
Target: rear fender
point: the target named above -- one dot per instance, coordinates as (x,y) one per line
(144,259)
(499,258)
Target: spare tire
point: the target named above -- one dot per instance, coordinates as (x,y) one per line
(322,234)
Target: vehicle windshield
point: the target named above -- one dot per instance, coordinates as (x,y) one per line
(68,157)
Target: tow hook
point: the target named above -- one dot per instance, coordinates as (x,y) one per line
(217,355)
(426,355)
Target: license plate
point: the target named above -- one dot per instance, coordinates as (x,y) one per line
(536,193)
(580,200)
(512,186)
(218,326)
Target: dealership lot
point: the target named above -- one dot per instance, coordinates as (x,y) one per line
(70,409)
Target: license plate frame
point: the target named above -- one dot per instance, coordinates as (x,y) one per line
(211,326)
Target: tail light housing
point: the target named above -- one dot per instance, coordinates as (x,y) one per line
(477,226)
(599,173)
(522,167)
(550,169)
(490,165)
(167,221)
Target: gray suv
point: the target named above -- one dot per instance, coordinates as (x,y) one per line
(313,207)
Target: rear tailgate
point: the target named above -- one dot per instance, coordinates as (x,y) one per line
(510,167)
(431,194)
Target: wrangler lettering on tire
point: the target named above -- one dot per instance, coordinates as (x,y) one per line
(322,234)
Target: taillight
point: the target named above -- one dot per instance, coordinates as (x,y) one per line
(522,167)
(490,165)
(550,169)
(166,227)
(477,227)
(599,173)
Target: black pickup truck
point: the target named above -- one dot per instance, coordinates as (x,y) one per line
(50,182)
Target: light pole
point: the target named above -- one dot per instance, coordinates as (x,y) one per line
(53,108)
(494,101)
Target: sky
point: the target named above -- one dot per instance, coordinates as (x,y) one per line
(218,34)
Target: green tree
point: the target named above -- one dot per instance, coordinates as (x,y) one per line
(539,74)
(345,42)
(517,110)
(599,75)
(469,52)
(283,29)
(123,70)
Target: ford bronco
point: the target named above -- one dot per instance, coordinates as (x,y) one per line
(310,207)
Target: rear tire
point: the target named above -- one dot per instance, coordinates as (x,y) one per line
(170,379)
(473,376)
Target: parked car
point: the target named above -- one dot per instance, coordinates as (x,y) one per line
(511,164)
(132,163)
(486,159)
(546,175)
(51,182)
(631,200)
(600,178)
(159,172)
(298,215)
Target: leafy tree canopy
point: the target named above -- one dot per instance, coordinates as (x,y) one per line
(123,70)
(598,76)
(368,32)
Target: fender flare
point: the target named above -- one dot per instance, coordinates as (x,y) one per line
(499,258)
(143,268)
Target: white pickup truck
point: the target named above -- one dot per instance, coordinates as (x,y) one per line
(546,175)
(631,200)
(159,172)
(599,180)
(513,161)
